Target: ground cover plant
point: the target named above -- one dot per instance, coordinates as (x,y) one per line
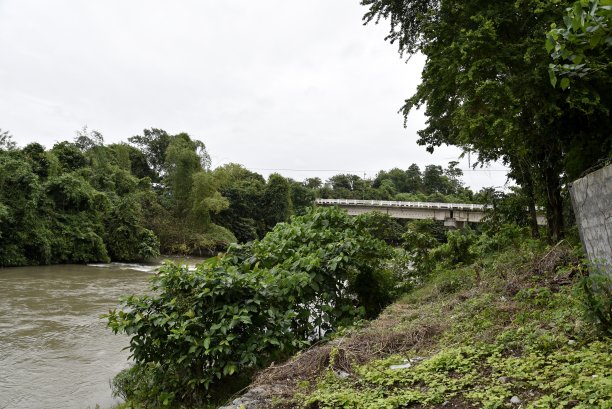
(513,329)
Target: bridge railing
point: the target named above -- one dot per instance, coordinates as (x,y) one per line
(413,205)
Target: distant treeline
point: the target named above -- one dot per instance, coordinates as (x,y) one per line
(86,201)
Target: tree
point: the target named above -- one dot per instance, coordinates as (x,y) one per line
(397,177)
(70,156)
(181,163)
(6,141)
(38,158)
(486,89)
(434,180)
(276,204)
(24,235)
(313,183)
(86,139)
(205,199)
(244,190)
(127,239)
(414,179)
(302,197)
(153,143)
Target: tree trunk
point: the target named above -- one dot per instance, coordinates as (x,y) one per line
(554,204)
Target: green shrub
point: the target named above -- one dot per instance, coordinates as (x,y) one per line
(236,312)
(205,325)
(418,241)
(341,256)
(459,247)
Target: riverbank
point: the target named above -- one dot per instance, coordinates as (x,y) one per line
(510,330)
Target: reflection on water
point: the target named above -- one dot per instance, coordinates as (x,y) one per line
(55,351)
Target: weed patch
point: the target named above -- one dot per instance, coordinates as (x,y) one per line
(507,331)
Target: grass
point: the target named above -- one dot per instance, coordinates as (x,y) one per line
(509,328)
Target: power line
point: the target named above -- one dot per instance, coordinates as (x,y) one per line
(360,171)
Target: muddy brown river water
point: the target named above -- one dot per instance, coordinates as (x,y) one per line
(55,351)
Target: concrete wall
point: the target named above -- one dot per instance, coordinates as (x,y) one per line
(592,203)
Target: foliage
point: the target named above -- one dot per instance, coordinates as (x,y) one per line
(236,312)
(127,239)
(158,195)
(458,247)
(477,375)
(6,141)
(511,326)
(581,46)
(276,201)
(501,238)
(69,156)
(597,297)
(486,90)
(85,201)
(342,257)
(87,139)
(435,184)
(419,241)
(205,325)
(383,227)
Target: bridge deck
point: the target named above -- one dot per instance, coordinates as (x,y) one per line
(412,205)
(452,213)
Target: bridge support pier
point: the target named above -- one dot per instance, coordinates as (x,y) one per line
(453,223)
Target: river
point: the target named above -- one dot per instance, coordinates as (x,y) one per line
(55,351)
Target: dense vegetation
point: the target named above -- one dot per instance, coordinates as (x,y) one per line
(487,87)
(236,312)
(490,317)
(84,201)
(489,314)
(515,328)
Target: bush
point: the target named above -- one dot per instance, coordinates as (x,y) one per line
(419,240)
(458,248)
(506,236)
(342,257)
(239,311)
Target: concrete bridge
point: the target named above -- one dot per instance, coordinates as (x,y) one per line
(453,214)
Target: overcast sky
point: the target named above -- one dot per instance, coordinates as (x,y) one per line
(301,87)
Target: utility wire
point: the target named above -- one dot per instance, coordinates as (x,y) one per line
(360,171)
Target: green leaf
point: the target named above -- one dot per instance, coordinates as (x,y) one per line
(553,77)
(565,83)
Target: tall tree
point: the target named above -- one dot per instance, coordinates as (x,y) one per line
(276,201)
(181,163)
(486,87)
(6,141)
(153,142)
(244,190)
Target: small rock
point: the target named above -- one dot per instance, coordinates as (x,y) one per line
(402,366)
(342,374)
(515,400)
(417,359)
(446,402)
(571,342)
(503,379)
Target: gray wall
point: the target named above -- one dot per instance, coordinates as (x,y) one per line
(592,203)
